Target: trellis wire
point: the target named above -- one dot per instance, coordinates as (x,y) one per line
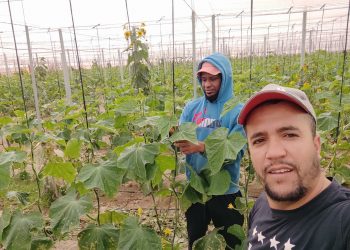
(78,61)
(18,65)
(251,43)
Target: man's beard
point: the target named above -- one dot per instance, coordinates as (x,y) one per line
(301,190)
(212,98)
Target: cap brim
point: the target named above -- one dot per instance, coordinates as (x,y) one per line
(262,97)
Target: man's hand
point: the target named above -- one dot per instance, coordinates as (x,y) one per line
(187,147)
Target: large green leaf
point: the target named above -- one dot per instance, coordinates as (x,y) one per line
(5,175)
(136,157)
(106,125)
(119,149)
(219,147)
(166,162)
(229,105)
(237,231)
(17,235)
(112,217)
(73,148)
(65,212)
(197,182)
(219,183)
(5,120)
(98,237)
(186,131)
(6,160)
(12,156)
(105,175)
(189,196)
(164,124)
(64,170)
(4,221)
(327,121)
(41,243)
(213,240)
(136,236)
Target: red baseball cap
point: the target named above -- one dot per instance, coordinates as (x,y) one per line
(208,68)
(276,92)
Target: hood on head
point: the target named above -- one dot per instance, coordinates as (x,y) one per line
(224,65)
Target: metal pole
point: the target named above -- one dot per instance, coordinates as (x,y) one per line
(34,86)
(213,38)
(302,57)
(194,64)
(65,71)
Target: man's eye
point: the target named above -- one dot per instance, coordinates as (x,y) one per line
(258,141)
(290,135)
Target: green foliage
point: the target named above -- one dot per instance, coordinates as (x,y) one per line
(66,211)
(220,146)
(18,233)
(138,60)
(136,157)
(106,176)
(64,170)
(112,217)
(135,125)
(98,237)
(134,236)
(6,161)
(186,131)
(73,149)
(212,240)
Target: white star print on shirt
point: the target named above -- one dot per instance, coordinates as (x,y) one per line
(274,242)
(261,237)
(288,245)
(254,231)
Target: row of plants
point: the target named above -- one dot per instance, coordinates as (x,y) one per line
(54,173)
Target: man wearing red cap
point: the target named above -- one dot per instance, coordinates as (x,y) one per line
(301,208)
(215,77)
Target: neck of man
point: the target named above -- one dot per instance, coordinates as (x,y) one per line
(320,184)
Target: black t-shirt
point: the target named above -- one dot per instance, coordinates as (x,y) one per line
(322,223)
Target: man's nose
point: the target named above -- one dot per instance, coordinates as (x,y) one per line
(275,149)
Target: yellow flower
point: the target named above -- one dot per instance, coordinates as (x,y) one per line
(139,212)
(139,33)
(230,206)
(167,231)
(127,34)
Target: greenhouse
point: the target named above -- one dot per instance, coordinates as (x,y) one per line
(92,92)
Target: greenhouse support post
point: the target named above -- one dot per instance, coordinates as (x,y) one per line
(32,74)
(302,53)
(120,66)
(213,38)
(194,78)
(65,71)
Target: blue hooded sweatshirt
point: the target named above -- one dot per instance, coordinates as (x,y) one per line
(207,117)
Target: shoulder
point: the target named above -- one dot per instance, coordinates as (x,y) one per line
(195,102)
(260,204)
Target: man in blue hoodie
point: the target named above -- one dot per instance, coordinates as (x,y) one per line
(215,77)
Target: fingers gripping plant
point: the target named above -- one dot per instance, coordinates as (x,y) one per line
(138,58)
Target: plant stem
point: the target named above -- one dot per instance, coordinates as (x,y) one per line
(246,195)
(176,200)
(35,174)
(98,206)
(155,210)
